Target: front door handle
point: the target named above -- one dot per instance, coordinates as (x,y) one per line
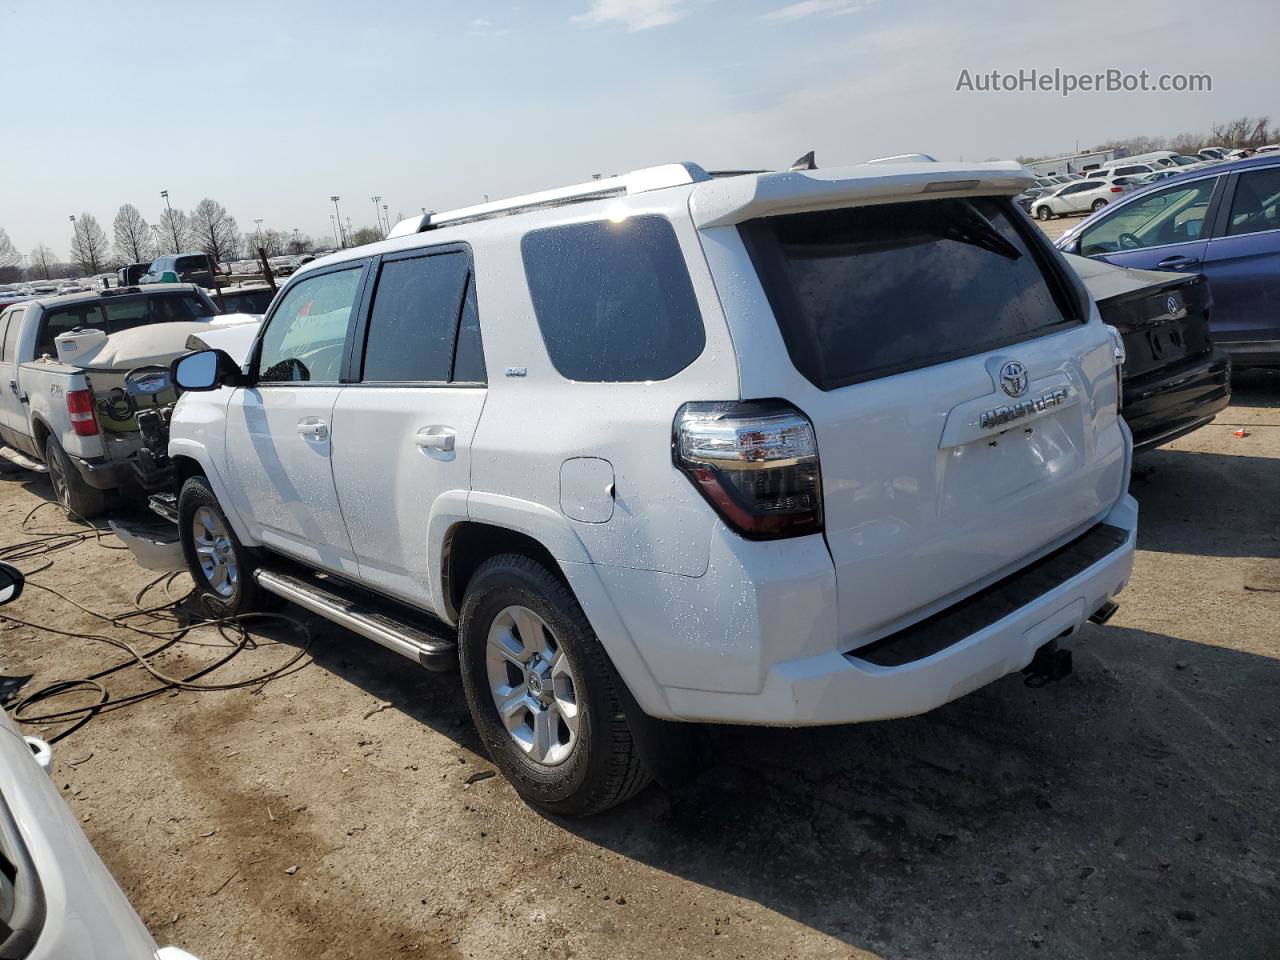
(313,428)
(1178,263)
(13,385)
(435,438)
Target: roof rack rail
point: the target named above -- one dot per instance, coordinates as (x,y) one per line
(637,181)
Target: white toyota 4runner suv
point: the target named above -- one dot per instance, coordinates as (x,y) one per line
(807,447)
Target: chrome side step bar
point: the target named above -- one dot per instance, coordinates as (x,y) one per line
(365,616)
(22,460)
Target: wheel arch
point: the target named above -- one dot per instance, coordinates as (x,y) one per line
(190,459)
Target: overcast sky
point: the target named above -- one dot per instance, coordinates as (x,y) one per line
(272,107)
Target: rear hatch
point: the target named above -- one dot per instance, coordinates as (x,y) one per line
(964,404)
(1163,317)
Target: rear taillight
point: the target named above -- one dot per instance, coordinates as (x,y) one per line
(1119,355)
(1117,189)
(755,461)
(80,406)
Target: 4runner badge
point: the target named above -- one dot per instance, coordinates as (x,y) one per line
(999,416)
(1013,379)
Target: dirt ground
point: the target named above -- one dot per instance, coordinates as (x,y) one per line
(1127,811)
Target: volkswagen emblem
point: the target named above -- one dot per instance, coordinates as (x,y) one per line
(1013,379)
(1172,304)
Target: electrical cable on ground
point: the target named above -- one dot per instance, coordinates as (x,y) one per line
(179,614)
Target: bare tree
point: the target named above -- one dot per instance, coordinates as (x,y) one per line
(8,255)
(299,243)
(132,235)
(43,261)
(174,232)
(272,241)
(89,249)
(213,230)
(365,235)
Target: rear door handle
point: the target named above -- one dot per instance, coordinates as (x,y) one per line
(1177,263)
(435,438)
(313,428)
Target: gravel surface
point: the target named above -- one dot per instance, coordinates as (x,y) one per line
(1127,811)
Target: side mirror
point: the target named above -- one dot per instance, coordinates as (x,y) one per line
(204,370)
(169,277)
(11,581)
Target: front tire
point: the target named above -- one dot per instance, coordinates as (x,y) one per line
(221,566)
(78,499)
(1043,214)
(542,693)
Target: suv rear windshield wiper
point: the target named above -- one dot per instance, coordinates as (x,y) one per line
(969,225)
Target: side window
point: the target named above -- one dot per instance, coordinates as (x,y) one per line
(11,336)
(4,328)
(414,318)
(190,263)
(614,301)
(1172,215)
(468,356)
(306,336)
(1256,205)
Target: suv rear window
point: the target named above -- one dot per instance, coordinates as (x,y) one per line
(865,292)
(614,301)
(116,314)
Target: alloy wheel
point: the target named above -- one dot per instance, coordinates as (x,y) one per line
(215,551)
(532,685)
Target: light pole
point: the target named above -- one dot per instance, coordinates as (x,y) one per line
(376,218)
(259,223)
(333,225)
(342,240)
(297,244)
(387,214)
(173,227)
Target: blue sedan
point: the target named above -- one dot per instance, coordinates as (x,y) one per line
(1222,221)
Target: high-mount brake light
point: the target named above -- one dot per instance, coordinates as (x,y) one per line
(755,462)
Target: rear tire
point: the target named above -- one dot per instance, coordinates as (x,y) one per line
(221,566)
(1044,213)
(1098,205)
(565,744)
(78,499)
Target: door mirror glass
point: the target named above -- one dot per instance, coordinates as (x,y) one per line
(197,371)
(11,581)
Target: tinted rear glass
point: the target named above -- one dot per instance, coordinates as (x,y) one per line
(865,292)
(614,301)
(414,318)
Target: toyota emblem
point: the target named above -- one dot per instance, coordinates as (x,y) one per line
(1013,379)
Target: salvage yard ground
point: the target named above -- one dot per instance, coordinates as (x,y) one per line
(1128,810)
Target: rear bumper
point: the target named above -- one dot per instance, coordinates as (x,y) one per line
(1252,353)
(725,652)
(1164,404)
(113,475)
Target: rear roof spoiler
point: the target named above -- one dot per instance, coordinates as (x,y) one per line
(732,200)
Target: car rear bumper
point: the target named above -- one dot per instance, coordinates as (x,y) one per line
(1252,353)
(739,645)
(1168,403)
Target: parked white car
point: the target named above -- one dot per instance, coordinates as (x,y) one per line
(1080,196)
(795,448)
(57,899)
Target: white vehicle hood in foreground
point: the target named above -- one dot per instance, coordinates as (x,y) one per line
(235,339)
(86,915)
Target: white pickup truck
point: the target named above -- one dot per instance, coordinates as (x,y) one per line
(84,387)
